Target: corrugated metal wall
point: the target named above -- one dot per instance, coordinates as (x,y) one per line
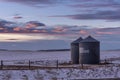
(85,51)
(75,51)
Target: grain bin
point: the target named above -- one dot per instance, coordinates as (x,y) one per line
(75,51)
(89,51)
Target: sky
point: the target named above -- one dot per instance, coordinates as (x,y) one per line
(56,23)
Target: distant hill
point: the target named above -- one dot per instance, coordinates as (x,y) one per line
(113,50)
(49,50)
(3,50)
(52,50)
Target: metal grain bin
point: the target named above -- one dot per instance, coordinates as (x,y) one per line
(89,51)
(75,51)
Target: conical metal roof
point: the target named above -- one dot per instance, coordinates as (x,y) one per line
(89,39)
(78,40)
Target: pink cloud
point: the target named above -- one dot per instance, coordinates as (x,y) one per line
(59,30)
(17,29)
(33,24)
(17,17)
(102,33)
(39,31)
(83,32)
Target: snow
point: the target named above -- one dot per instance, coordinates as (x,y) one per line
(61,74)
(57,55)
(105,71)
(109,54)
(13,55)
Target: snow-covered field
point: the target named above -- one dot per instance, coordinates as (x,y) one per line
(24,55)
(61,74)
(58,55)
(112,71)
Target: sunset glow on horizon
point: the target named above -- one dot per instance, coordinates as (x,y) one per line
(10,37)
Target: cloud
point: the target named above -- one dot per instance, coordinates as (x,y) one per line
(17,17)
(100,15)
(102,33)
(43,3)
(96,4)
(57,30)
(94,10)
(108,31)
(17,29)
(4,23)
(83,32)
(33,24)
(34,3)
(11,27)
(28,27)
(77,4)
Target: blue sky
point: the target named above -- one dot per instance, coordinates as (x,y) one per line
(60,20)
(65,12)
